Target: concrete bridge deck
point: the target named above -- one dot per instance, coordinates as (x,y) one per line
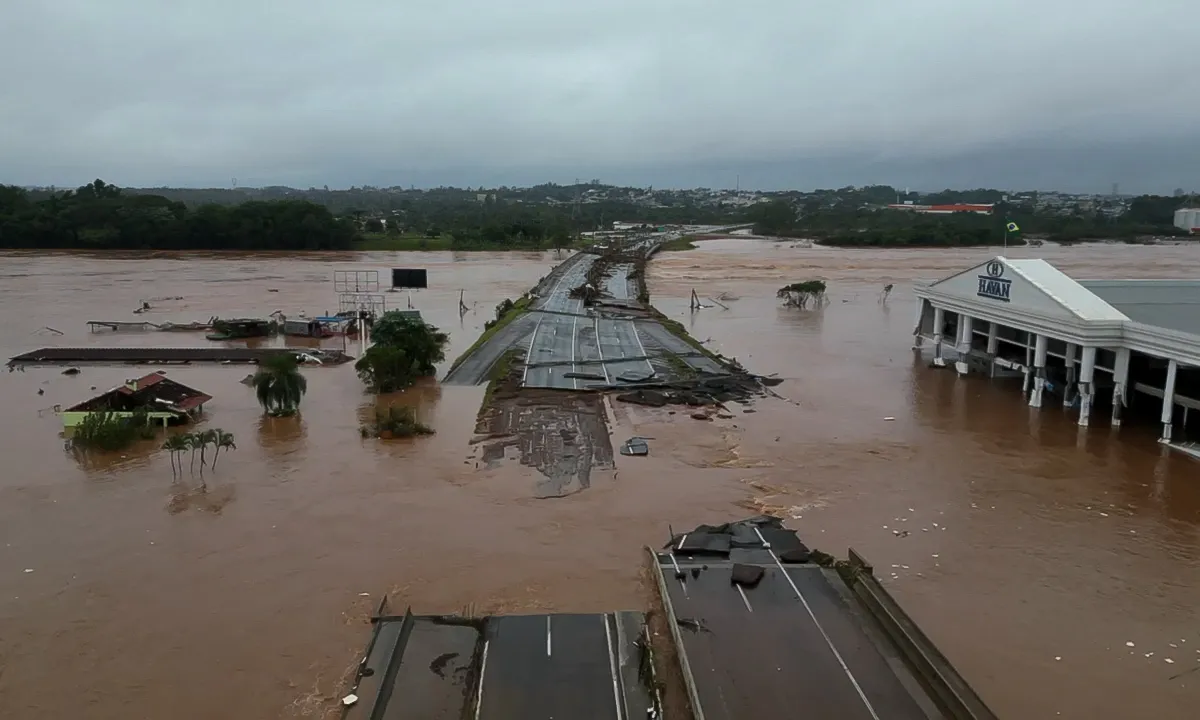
(791,638)
(576,667)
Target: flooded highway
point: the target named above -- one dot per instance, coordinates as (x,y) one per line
(1056,567)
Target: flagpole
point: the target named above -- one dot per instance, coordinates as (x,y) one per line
(1006,239)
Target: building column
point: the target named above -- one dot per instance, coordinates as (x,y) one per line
(1087,369)
(965,334)
(1028,361)
(1072,351)
(939,323)
(1120,378)
(917,325)
(993,345)
(1168,408)
(1039,370)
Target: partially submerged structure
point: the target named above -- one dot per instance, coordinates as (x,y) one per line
(1088,342)
(765,627)
(163,400)
(239,329)
(760,627)
(172,355)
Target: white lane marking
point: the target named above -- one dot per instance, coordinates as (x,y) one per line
(574,324)
(641,348)
(600,349)
(744,598)
(845,668)
(679,574)
(529,352)
(482,671)
(612,668)
(547,636)
(561,278)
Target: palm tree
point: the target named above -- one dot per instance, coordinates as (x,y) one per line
(204,438)
(193,443)
(279,384)
(224,440)
(174,445)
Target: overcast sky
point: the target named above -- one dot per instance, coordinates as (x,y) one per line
(1075,94)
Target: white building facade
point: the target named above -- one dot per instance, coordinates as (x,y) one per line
(1084,342)
(1188,219)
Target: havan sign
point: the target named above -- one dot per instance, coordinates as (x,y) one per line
(994,285)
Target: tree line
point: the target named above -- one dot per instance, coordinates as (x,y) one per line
(856,225)
(506,223)
(103,216)
(99,216)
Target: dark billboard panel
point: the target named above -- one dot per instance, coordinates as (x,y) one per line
(410,278)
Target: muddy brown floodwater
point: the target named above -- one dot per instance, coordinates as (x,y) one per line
(1036,551)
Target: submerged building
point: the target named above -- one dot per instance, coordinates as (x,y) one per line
(161,399)
(1115,346)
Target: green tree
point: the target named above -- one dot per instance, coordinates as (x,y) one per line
(192,441)
(101,216)
(205,438)
(224,442)
(175,445)
(404,349)
(776,217)
(279,385)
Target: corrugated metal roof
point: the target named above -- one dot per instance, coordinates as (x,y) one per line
(1170,304)
(142,383)
(1065,290)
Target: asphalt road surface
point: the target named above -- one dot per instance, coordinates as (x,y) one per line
(537,667)
(787,644)
(561,337)
(583,341)
(580,340)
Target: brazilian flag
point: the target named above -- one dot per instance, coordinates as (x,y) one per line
(1012,227)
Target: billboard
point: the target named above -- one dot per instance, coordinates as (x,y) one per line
(414,278)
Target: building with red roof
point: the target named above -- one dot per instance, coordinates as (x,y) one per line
(977,208)
(159,397)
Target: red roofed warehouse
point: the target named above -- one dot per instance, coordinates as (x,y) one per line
(977,208)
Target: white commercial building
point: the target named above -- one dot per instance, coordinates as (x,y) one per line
(1188,219)
(1128,344)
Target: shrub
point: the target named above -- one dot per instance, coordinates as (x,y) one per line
(110,432)
(396,422)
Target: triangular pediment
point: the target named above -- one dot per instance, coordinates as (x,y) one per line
(999,283)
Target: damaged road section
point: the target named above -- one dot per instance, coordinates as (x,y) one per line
(563,435)
(764,625)
(583,667)
(587,329)
(590,324)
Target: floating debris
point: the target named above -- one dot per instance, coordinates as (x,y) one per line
(635,446)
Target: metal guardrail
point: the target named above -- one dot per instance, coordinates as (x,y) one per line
(685,668)
(948,689)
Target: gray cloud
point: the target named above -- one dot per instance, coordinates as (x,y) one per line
(146,92)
